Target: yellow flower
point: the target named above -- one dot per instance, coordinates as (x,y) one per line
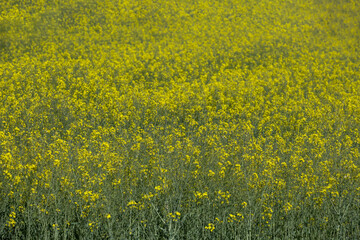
(210,227)
(132,204)
(11,222)
(287,207)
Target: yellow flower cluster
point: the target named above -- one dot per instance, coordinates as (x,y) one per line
(153,118)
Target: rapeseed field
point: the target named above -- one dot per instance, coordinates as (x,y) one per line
(191,119)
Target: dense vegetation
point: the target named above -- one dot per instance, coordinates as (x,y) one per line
(191,119)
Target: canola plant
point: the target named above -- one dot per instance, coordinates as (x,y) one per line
(192,119)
